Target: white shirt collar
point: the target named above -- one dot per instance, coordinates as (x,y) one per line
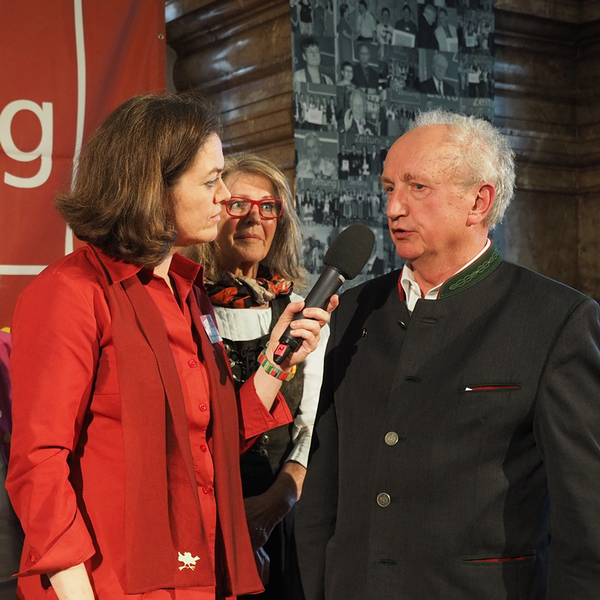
(412,291)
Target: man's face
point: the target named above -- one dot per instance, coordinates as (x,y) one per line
(440,66)
(312,56)
(348,73)
(313,149)
(385,16)
(364,55)
(443,18)
(427,210)
(430,14)
(357,106)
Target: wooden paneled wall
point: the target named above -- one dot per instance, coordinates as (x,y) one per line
(536,106)
(239,54)
(588,124)
(547,85)
(547,72)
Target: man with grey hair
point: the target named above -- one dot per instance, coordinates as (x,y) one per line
(437,84)
(313,165)
(456,454)
(355,118)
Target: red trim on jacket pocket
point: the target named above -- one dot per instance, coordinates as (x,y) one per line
(499,559)
(491,387)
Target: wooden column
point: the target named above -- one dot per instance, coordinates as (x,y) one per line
(547,86)
(238,53)
(536,106)
(588,124)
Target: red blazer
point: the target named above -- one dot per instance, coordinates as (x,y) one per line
(67,477)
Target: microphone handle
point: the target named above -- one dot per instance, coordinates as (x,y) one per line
(328,283)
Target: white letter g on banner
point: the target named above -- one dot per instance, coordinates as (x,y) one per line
(43,151)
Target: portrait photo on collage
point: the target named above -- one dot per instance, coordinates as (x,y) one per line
(363,69)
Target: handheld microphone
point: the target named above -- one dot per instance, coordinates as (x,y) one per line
(344,260)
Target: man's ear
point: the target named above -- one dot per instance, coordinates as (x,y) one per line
(484,200)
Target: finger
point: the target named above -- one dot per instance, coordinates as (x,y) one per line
(314,313)
(312,325)
(311,330)
(308,344)
(292,308)
(334,302)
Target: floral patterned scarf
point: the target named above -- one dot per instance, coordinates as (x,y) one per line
(238,291)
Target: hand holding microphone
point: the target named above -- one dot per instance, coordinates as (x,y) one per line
(344,260)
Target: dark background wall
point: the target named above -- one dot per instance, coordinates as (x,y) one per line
(547,68)
(547,74)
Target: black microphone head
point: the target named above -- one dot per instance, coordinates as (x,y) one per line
(350,250)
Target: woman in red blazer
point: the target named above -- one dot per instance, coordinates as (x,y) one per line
(127,429)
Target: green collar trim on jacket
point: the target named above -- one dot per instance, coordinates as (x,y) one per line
(473,274)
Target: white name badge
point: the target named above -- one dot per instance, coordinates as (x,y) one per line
(211,329)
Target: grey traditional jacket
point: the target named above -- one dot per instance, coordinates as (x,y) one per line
(457,450)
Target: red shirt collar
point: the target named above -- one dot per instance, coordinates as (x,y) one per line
(180,265)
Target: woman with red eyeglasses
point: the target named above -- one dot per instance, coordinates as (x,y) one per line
(250,270)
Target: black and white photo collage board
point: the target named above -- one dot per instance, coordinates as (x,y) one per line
(363,69)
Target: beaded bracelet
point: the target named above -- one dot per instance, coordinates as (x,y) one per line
(274,371)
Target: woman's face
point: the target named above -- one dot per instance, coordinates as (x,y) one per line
(244,242)
(197,196)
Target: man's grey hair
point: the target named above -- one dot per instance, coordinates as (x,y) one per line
(478,153)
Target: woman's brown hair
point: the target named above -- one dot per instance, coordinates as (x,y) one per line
(120,200)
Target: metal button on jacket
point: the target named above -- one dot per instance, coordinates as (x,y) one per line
(383,499)
(391,438)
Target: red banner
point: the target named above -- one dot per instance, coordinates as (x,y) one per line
(64,66)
